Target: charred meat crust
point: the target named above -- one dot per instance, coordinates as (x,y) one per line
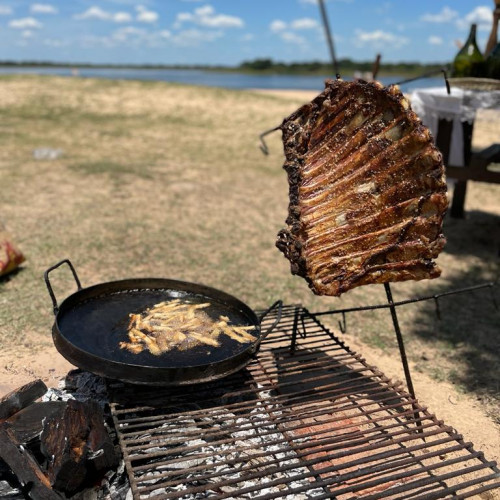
(362,170)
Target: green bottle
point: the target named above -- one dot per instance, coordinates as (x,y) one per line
(469,62)
(493,63)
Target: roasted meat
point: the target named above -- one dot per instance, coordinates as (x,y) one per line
(367,190)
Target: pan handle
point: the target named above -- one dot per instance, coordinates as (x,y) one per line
(49,286)
(277,305)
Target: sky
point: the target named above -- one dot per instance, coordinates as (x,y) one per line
(227,32)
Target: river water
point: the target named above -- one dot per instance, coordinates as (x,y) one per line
(211,78)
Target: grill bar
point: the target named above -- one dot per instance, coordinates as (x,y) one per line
(264,424)
(371,389)
(297,448)
(318,421)
(327,390)
(380,456)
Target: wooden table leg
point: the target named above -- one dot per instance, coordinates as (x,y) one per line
(457,205)
(458,201)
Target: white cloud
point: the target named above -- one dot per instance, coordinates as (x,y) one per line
(205,11)
(146,16)
(5,10)
(277,26)
(27,34)
(194,37)
(43,8)
(206,16)
(481,15)
(288,31)
(95,12)
(445,16)
(435,40)
(25,23)
(91,41)
(124,34)
(379,38)
(122,17)
(306,23)
(290,37)
(131,35)
(55,42)
(223,21)
(247,37)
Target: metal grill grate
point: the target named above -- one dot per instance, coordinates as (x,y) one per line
(316,423)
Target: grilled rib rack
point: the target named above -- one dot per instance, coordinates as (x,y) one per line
(314,422)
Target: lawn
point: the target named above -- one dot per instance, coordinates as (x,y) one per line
(165,180)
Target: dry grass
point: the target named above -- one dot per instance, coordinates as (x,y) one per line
(167,180)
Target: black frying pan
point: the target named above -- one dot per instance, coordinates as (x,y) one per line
(90,324)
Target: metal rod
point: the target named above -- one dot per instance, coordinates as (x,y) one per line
(401,345)
(329,38)
(294,332)
(262,423)
(489,285)
(263,145)
(446,82)
(421,76)
(296,446)
(301,452)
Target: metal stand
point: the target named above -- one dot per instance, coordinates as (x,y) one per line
(491,286)
(402,351)
(399,337)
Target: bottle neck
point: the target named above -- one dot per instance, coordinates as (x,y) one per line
(472,34)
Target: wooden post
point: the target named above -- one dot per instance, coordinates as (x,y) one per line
(329,38)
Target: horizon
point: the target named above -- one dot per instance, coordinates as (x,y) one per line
(225,33)
(40,62)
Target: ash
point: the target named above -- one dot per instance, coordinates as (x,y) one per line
(81,386)
(244,460)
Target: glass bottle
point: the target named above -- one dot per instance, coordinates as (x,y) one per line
(469,62)
(493,63)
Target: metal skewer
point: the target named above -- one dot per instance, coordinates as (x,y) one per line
(402,350)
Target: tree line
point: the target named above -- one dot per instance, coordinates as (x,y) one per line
(346,66)
(261,65)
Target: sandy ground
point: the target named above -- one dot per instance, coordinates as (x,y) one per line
(463,412)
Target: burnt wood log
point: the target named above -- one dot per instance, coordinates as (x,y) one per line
(32,479)
(77,446)
(20,398)
(27,424)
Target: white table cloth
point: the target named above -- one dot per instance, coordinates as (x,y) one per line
(433,104)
